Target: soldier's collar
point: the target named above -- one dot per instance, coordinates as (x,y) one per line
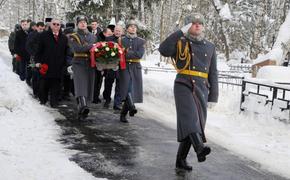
(195,38)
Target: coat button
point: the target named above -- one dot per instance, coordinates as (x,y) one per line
(193,81)
(193,67)
(204,42)
(193,54)
(205,55)
(205,68)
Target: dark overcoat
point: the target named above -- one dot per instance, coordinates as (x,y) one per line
(52,52)
(83,73)
(192,92)
(19,45)
(131,77)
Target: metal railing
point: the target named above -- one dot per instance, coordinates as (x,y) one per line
(275,92)
(246,68)
(226,78)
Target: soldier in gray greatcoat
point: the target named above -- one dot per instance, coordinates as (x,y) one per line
(195,86)
(83,74)
(131,83)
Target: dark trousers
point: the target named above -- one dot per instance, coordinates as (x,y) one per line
(98,84)
(29,75)
(14,65)
(49,86)
(35,81)
(117,96)
(22,69)
(110,76)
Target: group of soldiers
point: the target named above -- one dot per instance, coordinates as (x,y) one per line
(66,52)
(194,58)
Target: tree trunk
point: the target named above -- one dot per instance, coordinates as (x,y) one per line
(222,31)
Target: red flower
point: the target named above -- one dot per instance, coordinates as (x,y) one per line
(18,58)
(43,69)
(99,45)
(111,44)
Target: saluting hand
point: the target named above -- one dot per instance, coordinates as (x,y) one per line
(185,28)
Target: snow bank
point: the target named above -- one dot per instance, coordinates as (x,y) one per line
(275,73)
(275,54)
(28,145)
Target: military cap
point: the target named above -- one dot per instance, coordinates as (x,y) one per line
(131,22)
(82,18)
(194,18)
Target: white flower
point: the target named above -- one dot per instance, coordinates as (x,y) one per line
(113,54)
(107,49)
(96,50)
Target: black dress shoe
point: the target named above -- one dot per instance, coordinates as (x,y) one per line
(123,119)
(107,104)
(117,108)
(97,101)
(182,164)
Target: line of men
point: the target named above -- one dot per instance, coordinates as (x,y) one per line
(34,44)
(194,58)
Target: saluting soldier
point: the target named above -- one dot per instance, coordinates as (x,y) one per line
(83,74)
(131,83)
(195,86)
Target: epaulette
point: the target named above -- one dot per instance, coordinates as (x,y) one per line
(74,36)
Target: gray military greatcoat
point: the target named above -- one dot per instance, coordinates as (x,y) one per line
(83,73)
(131,78)
(192,92)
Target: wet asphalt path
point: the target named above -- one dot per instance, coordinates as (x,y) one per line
(144,150)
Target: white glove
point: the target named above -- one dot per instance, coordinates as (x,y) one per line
(185,28)
(211,105)
(38,65)
(69,70)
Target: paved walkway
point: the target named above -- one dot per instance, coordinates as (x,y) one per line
(144,150)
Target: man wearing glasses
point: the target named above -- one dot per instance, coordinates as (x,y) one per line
(52,52)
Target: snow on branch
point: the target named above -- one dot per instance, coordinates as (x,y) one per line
(281,46)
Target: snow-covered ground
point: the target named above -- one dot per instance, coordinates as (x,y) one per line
(28,145)
(256,136)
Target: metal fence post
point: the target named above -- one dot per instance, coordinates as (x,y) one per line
(242,94)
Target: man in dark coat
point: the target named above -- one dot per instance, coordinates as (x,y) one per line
(67,80)
(195,87)
(19,46)
(11,41)
(97,31)
(52,52)
(111,75)
(32,44)
(131,82)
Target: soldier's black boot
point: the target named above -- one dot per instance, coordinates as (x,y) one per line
(182,152)
(201,150)
(124,112)
(83,109)
(131,106)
